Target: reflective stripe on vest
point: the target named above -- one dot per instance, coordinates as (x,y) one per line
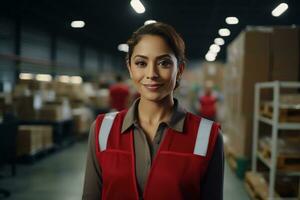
(203,137)
(105,129)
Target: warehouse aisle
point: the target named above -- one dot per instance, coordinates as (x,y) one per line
(56,177)
(60,177)
(233,187)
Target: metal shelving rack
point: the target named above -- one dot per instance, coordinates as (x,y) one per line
(276,126)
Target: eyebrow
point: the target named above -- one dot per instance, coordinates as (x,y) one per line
(141,56)
(164,55)
(159,57)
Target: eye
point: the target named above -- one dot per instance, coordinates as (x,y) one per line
(140,63)
(165,63)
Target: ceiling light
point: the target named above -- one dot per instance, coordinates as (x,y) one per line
(281,8)
(212,53)
(232,20)
(219,41)
(123,47)
(26,76)
(43,77)
(214,48)
(77,24)
(210,56)
(224,32)
(149,22)
(76,79)
(137,6)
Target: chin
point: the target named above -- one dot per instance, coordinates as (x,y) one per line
(154,97)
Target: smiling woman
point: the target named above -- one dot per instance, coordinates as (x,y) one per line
(153,69)
(155,149)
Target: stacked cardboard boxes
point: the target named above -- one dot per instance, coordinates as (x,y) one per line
(248,63)
(33,139)
(58,110)
(285,54)
(83,118)
(255,56)
(100,99)
(27,107)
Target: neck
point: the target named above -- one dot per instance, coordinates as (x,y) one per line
(153,112)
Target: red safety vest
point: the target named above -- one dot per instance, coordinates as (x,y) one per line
(118,96)
(176,171)
(208,106)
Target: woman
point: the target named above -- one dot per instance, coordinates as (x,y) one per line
(155,150)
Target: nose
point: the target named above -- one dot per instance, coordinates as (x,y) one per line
(152,71)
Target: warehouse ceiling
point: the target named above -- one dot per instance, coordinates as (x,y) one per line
(110,22)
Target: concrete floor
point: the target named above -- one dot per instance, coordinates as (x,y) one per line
(60,177)
(233,187)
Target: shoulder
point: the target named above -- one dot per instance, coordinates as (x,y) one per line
(192,117)
(118,115)
(196,119)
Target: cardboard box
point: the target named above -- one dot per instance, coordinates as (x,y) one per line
(51,113)
(285,54)
(256,56)
(32,139)
(81,125)
(29,141)
(57,110)
(248,58)
(248,63)
(33,85)
(21,90)
(47,136)
(83,118)
(27,107)
(101,100)
(239,135)
(255,68)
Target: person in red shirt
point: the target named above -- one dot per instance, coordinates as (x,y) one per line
(208,103)
(119,94)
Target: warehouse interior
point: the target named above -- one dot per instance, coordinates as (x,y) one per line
(60,59)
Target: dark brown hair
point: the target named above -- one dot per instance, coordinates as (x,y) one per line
(167,32)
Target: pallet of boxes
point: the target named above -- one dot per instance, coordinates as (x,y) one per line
(82,114)
(78,97)
(27,103)
(32,140)
(258,54)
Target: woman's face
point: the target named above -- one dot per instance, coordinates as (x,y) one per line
(153,68)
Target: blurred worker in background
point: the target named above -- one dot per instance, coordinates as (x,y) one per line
(207,102)
(155,150)
(119,94)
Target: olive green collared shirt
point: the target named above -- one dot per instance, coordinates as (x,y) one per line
(146,150)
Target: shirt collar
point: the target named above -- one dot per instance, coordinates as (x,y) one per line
(176,122)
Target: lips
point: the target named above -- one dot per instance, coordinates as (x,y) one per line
(152,87)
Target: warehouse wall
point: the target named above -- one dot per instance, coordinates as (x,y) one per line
(35,44)
(24,48)
(6,47)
